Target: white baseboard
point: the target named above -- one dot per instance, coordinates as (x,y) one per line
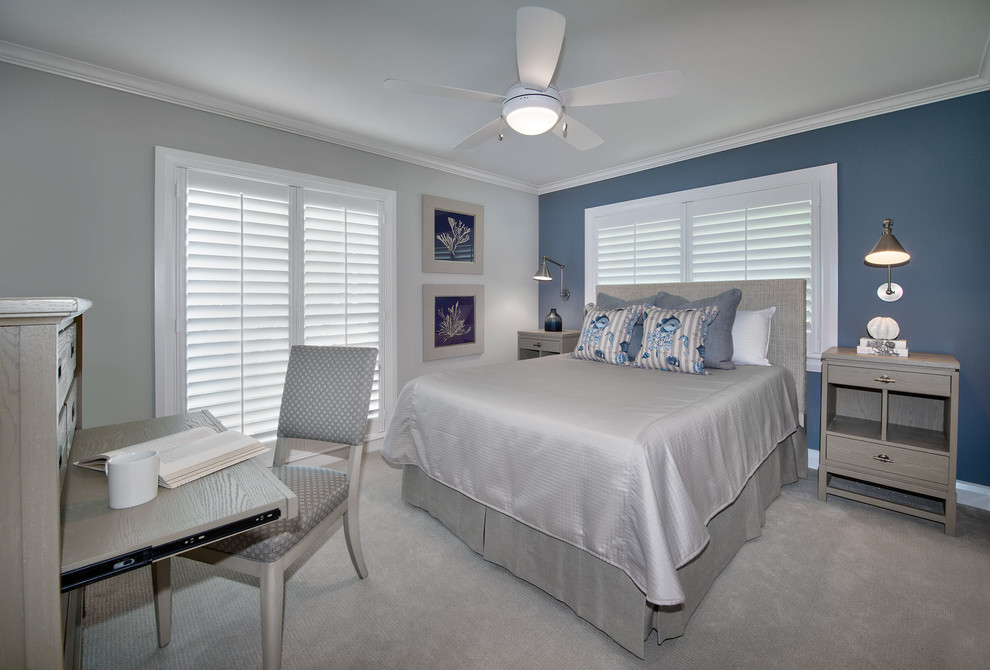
(974,495)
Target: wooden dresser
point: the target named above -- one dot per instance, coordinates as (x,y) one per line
(40,409)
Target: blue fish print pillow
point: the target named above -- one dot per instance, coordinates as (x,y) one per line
(674,340)
(606,334)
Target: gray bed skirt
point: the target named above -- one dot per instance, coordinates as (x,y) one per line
(599,592)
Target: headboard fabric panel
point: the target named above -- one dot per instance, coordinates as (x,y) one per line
(788,342)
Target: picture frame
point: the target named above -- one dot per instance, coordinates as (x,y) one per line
(453,320)
(453,236)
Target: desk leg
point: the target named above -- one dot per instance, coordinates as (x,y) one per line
(161,582)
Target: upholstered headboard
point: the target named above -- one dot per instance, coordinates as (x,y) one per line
(788,342)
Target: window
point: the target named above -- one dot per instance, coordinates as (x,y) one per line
(775,227)
(251,260)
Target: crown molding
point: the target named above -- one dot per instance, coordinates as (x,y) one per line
(94,74)
(883,106)
(121,81)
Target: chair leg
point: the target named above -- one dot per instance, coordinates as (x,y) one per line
(272,607)
(161,583)
(351,534)
(353,538)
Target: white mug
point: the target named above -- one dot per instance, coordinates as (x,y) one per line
(132,478)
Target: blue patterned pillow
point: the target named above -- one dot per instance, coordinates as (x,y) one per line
(719,342)
(606,301)
(606,334)
(674,340)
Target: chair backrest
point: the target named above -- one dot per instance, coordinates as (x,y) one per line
(327,393)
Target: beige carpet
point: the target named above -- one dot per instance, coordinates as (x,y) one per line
(836,585)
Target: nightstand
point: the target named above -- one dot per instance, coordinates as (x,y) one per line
(889,432)
(537,343)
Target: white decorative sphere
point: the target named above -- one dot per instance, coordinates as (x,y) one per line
(882,328)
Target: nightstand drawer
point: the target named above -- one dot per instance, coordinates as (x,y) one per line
(888,459)
(536,343)
(891,379)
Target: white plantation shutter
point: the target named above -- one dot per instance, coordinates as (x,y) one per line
(264,265)
(236,299)
(640,247)
(341,275)
(762,235)
(763,228)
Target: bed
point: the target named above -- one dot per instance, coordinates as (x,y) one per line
(620,491)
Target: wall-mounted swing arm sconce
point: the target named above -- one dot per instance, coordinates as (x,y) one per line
(544,275)
(888,251)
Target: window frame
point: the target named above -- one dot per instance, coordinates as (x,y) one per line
(823,180)
(170,165)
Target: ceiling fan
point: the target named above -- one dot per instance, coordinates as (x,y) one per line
(532,106)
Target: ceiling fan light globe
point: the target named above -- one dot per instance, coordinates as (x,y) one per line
(532,114)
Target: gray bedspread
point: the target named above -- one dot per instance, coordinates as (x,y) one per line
(627,464)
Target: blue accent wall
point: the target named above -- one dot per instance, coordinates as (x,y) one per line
(927,167)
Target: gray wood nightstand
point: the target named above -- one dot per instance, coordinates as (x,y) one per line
(537,343)
(889,432)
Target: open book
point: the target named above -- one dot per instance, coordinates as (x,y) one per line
(188,455)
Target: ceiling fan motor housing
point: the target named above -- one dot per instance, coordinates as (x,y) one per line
(532,112)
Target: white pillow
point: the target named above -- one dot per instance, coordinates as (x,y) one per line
(751,336)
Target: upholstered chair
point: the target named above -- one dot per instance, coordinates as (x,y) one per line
(325,399)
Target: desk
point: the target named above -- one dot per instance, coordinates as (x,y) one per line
(99,542)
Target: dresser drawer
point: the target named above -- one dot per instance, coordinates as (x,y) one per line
(887,459)
(61,448)
(536,343)
(71,415)
(891,379)
(66,367)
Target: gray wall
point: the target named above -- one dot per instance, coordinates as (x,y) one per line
(77,218)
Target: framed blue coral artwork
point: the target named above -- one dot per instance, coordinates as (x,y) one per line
(453,236)
(453,320)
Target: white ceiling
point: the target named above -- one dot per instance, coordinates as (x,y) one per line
(754,68)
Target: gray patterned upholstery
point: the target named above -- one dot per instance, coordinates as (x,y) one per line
(320,492)
(326,397)
(326,393)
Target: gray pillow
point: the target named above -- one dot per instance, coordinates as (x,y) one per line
(718,345)
(606,301)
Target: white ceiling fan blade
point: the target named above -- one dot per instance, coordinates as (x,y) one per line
(539,35)
(628,89)
(578,135)
(403,86)
(486,132)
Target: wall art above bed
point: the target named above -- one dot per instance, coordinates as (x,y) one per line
(453,236)
(453,320)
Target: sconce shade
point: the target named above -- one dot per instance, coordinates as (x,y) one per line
(543,274)
(888,251)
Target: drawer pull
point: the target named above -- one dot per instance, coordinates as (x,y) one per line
(883,458)
(885,379)
(537,344)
